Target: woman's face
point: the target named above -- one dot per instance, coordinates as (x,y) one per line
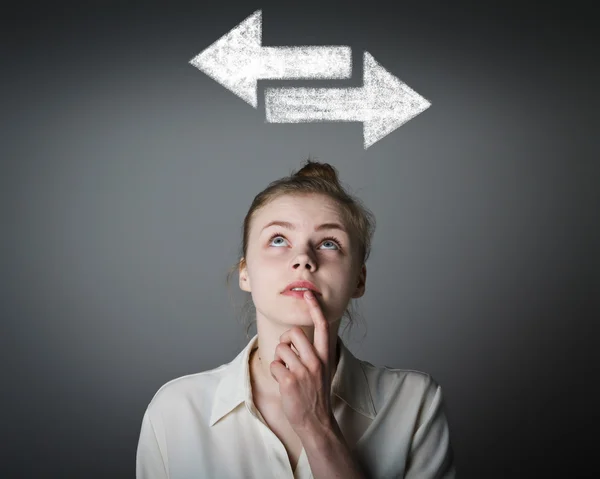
(278,255)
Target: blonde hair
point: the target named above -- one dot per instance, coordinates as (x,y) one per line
(312,178)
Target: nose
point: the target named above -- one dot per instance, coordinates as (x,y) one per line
(305,261)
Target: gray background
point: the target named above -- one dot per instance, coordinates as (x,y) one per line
(126,175)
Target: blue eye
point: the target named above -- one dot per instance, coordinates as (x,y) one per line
(275,237)
(329,239)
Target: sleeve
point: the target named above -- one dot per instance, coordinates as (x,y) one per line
(431,455)
(149,463)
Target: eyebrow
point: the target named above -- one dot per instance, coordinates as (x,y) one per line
(290,226)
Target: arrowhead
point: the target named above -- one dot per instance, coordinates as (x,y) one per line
(389,102)
(234,59)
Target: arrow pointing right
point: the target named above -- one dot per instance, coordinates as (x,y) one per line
(383,103)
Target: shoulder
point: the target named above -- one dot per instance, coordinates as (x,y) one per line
(394,378)
(407,388)
(409,403)
(183,392)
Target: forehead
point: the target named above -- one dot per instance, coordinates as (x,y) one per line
(305,211)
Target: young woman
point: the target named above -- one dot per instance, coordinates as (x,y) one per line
(295,402)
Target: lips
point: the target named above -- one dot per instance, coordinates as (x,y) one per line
(301,284)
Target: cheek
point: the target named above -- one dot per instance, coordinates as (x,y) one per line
(339,288)
(264,280)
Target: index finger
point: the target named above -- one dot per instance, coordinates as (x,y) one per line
(321,339)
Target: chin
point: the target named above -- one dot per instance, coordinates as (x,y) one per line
(298,320)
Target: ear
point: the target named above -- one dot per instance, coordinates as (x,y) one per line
(244,279)
(361,283)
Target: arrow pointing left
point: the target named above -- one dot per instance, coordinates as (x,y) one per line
(238,60)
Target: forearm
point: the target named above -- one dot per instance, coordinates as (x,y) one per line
(329,455)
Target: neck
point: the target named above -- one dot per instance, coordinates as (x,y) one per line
(268,339)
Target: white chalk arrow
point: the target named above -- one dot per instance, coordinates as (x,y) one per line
(383,103)
(238,60)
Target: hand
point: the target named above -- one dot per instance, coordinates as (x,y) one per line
(305,387)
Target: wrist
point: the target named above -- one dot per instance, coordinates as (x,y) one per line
(319,435)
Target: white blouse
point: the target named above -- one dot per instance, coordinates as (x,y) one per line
(205,425)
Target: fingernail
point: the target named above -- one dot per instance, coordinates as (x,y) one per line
(309,295)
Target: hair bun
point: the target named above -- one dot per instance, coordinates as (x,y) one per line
(314,169)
